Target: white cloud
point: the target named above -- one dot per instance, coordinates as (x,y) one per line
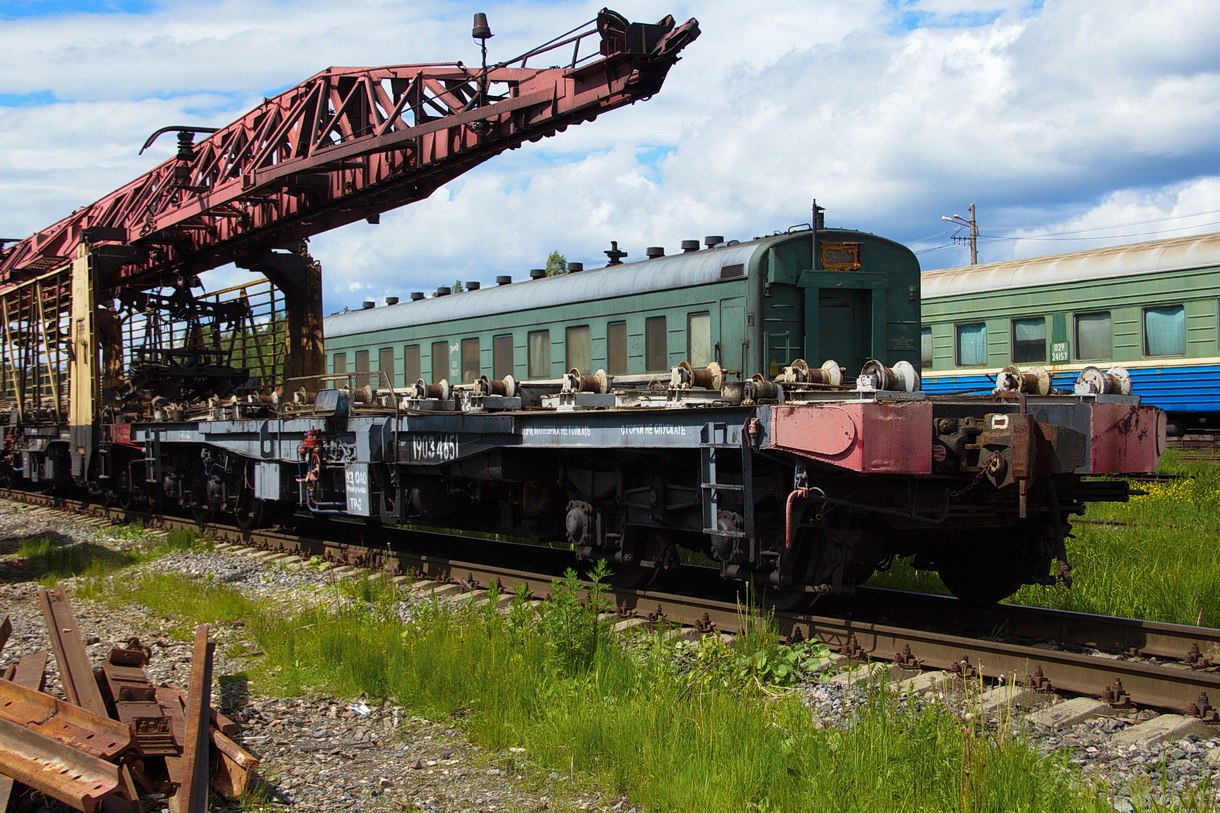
(1048,117)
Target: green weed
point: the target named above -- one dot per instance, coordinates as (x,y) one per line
(675,726)
(1152,557)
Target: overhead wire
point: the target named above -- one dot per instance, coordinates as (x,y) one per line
(1064,235)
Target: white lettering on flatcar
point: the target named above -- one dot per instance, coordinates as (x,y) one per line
(653,430)
(433,448)
(557,431)
(357,481)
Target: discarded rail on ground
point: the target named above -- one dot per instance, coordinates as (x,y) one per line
(117,735)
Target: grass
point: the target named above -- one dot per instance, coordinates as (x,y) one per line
(1157,560)
(53,557)
(675,726)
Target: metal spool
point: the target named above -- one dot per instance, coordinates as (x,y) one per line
(1034,381)
(830,374)
(684,376)
(902,377)
(795,373)
(440,390)
(760,389)
(1092,381)
(506,386)
(573,381)
(733,392)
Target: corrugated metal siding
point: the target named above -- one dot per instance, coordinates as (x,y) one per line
(1118,261)
(1186,388)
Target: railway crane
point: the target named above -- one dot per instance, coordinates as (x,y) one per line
(345,145)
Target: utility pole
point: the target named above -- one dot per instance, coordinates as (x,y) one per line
(973,227)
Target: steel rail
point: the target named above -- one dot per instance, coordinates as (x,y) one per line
(1197,646)
(192,796)
(1157,685)
(63,772)
(74,667)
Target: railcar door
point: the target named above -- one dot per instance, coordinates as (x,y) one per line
(844,330)
(732,343)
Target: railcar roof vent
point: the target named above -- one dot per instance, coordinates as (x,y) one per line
(368,304)
(689,245)
(391,300)
(537,273)
(713,240)
(417,295)
(504,279)
(616,256)
(473,285)
(653,252)
(575,267)
(444,290)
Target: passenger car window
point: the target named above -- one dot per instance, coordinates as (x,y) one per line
(1165,331)
(972,344)
(470,360)
(502,356)
(616,348)
(699,339)
(1029,340)
(576,348)
(925,348)
(1094,335)
(540,354)
(410,365)
(440,361)
(656,357)
(385,365)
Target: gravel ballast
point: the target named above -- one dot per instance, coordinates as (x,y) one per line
(323,753)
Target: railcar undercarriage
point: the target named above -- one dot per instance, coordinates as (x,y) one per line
(803,491)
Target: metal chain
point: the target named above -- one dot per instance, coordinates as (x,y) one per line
(977,477)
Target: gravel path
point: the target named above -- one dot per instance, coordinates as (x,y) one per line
(322,753)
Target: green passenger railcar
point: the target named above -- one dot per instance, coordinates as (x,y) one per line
(751,307)
(1151,308)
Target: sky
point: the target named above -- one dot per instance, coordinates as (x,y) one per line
(1070,124)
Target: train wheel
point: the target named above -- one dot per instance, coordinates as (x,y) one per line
(248,513)
(202,513)
(786,599)
(982,572)
(630,577)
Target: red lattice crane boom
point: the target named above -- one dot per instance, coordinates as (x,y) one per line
(346,145)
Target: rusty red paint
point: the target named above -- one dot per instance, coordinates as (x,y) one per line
(883,438)
(1126,438)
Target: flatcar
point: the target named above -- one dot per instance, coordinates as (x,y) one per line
(1150,309)
(640,463)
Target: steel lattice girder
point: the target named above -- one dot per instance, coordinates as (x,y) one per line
(350,143)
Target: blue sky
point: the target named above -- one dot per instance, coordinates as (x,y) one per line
(1069,123)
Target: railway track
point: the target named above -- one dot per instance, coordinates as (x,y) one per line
(1125,662)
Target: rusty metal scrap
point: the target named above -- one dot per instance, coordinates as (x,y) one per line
(63,772)
(63,721)
(192,796)
(74,666)
(94,760)
(29,671)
